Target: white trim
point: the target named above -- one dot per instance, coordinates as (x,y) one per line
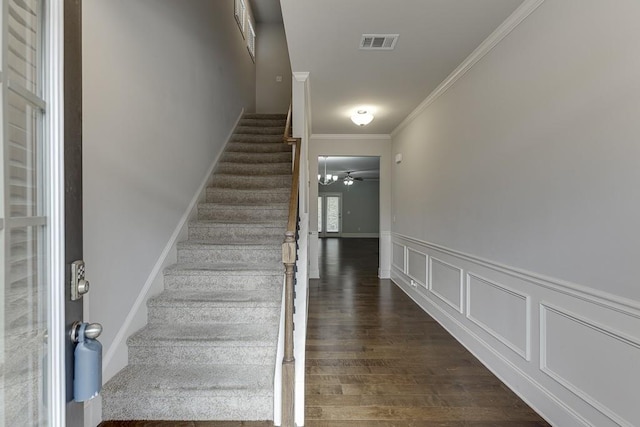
(519,15)
(531,391)
(351,136)
(426,267)
(54,120)
(604,299)
(360,235)
(300,76)
(622,337)
(157,269)
(525,353)
(460,307)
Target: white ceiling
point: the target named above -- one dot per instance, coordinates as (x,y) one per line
(435,37)
(360,167)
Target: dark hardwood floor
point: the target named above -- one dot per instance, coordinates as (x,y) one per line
(375,359)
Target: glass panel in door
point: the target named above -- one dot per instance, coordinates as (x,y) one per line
(333,214)
(24,290)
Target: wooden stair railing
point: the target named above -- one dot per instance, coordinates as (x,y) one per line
(289,253)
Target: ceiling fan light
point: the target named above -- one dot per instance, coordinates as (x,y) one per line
(362,118)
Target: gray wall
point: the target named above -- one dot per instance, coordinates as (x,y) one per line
(515,211)
(360,207)
(272,59)
(531,159)
(165,82)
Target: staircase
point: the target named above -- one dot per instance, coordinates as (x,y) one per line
(208,351)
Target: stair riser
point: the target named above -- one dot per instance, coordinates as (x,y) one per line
(260,158)
(210,255)
(257,147)
(238,214)
(235,234)
(267,130)
(254,168)
(251,182)
(182,315)
(263,122)
(265,116)
(252,137)
(224,283)
(176,407)
(224,195)
(185,354)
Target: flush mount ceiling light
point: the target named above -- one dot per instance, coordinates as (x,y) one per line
(326,179)
(362,117)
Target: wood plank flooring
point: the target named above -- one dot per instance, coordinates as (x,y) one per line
(375,359)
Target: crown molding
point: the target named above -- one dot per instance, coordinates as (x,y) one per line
(352,136)
(509,24)
(301,76)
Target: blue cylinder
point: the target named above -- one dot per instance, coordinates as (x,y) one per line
(87,369)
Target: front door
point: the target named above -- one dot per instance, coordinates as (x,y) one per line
(39,234)
(330,214)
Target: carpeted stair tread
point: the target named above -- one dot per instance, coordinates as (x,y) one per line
(263,122)
(269,116)
(267,243)
(254,169)
(257,147)
(250,157)
(261,130)
(252,207)
(205,335)
(226,298)
(231,269)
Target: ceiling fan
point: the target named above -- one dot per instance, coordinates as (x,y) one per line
(349,180)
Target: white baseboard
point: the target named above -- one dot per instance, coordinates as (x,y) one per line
(360,235)
(569,351)
(116,354)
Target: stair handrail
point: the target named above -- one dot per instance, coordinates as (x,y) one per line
(289,254)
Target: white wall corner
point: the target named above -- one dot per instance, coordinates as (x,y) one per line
(116,354)
(93,412)
(508,25)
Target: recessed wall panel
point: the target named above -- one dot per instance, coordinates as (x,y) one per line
(417,266)
(398,256)
(596,363)
(501,312)
(445,281)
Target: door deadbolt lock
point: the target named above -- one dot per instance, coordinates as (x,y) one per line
(79,286)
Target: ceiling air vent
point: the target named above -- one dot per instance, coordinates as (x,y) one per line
(378,41)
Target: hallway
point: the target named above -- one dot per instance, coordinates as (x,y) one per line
(374,358)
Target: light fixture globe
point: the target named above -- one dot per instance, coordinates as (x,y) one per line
(362,118)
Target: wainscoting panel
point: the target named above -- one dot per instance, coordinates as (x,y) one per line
(570,351)
(596,366)
(398,257)
(445,281)
(500,311)
(417,266)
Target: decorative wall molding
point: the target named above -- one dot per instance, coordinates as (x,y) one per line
(422,266)
(576,368)
(607,333)
(519,15)
(351,136)
(529,388)
(433,262)
(609,301)
(398,258)
(522,351)
(360,235)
